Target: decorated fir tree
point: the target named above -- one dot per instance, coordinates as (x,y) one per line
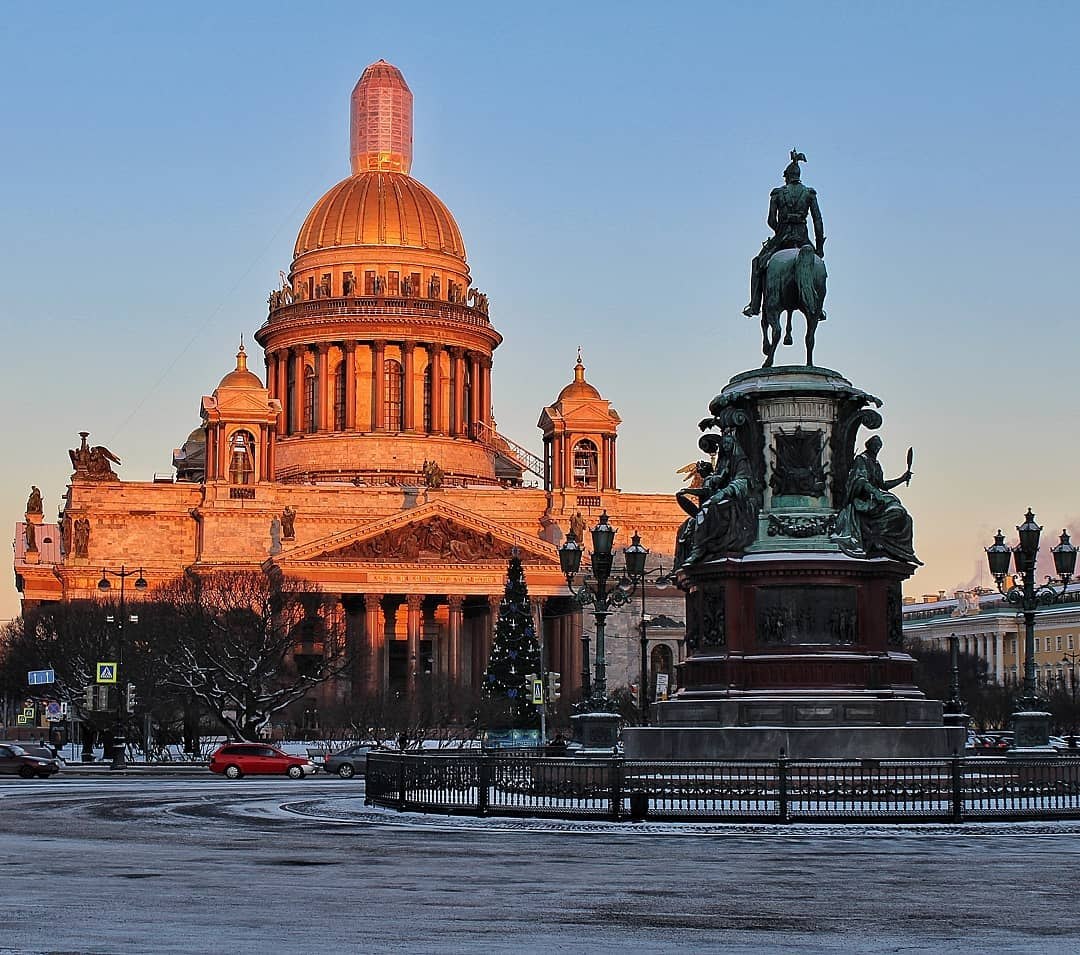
(514,651)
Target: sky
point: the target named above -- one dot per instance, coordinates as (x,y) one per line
(609,165)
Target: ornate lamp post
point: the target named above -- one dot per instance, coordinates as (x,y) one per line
(140,584)
(1031,724)
(594,591)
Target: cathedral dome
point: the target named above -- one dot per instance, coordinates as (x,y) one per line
(240,377)
(379,208)
(579,387)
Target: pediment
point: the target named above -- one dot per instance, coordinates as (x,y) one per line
(436,533)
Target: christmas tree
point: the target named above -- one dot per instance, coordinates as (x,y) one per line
(514,651)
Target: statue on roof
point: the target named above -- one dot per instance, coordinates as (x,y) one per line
(93,463)
(788,274)
(33,502)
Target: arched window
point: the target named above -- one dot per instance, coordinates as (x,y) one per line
(586,464)
(242,458)
(290,397)
(309,398)
(427,399)
(339,397)
(466,399)
(393,410)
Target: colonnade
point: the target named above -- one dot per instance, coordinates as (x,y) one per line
(985,646)
(448,637)
(460,387)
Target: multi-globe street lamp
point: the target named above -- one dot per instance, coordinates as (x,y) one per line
(594,592)
(1031,723)
(104,584)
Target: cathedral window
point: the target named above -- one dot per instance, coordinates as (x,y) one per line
(242,458)
(309,399)
(427,401)
(392,407)
(339,397)
(586,464)
(369,283)
(414,284)
(290,397)
(393,283)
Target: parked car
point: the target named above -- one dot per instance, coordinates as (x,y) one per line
(234,760)
(348,762)
(16,761)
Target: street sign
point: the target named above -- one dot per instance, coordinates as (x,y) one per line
(106,673)
(40,677)
(538,692)
(661,686)
(53,711)
(27,717)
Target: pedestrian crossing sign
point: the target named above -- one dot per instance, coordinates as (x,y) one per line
(106,673)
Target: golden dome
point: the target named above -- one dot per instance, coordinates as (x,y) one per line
(380,209)
(240,377)
(579,387)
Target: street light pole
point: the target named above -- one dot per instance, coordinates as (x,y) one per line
(118,731)
(599,596)
(1031,725)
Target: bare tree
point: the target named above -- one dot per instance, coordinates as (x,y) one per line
(247,645)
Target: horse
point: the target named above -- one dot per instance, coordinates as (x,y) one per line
(794,281)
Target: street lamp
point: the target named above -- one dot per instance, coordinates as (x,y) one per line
(594,591)
(104,585)
(1031,724)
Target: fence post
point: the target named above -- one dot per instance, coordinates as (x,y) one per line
(616,787)
(957,788)
(401,782)
(483,781)
(782,781)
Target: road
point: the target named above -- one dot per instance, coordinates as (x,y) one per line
(194,865)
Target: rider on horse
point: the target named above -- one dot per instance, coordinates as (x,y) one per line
(789,206)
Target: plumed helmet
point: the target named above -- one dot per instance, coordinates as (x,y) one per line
(793,173)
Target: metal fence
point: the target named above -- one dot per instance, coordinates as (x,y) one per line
(781,790)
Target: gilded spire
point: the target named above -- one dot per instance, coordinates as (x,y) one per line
(241,358)
(381,112)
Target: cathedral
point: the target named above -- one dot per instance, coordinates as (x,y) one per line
(367,460)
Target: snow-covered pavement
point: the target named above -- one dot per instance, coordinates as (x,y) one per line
(278,866)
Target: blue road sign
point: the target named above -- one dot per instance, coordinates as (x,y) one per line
(40,677)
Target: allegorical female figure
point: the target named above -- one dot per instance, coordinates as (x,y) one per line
(872,522)
(725,522)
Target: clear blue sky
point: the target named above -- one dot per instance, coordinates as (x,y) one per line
(609,165)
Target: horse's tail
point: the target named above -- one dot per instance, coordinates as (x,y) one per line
(804,277)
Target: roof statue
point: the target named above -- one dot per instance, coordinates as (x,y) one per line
(93,464)
(788,274)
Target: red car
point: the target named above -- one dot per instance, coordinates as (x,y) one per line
(234,760)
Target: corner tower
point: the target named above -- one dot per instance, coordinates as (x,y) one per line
(377,344)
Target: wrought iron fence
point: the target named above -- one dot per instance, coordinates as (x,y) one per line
(781,790)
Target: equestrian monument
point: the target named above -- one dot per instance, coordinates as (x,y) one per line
(794,552)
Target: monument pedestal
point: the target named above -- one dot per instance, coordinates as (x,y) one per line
(796,642)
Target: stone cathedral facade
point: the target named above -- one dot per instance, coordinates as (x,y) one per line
(367,460)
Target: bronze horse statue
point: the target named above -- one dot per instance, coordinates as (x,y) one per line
(794,281)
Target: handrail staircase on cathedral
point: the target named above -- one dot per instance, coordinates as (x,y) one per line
(500,444)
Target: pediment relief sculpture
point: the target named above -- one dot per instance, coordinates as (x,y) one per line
(433,540)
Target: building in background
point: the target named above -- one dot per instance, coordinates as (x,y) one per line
(368,460)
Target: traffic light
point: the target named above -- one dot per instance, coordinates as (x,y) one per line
(90,693)
(103,697)
(554,685)
(129,699)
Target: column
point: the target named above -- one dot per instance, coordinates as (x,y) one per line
(349,349)
(485,390)
(375,644)
(354,644)
(322,386)
(282,358)
(472,412)
(296,356)
(457,377)
(271,375)
(454,603)
(408,386)
(999,652)
(378,386)
(414,603)
(435,351)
